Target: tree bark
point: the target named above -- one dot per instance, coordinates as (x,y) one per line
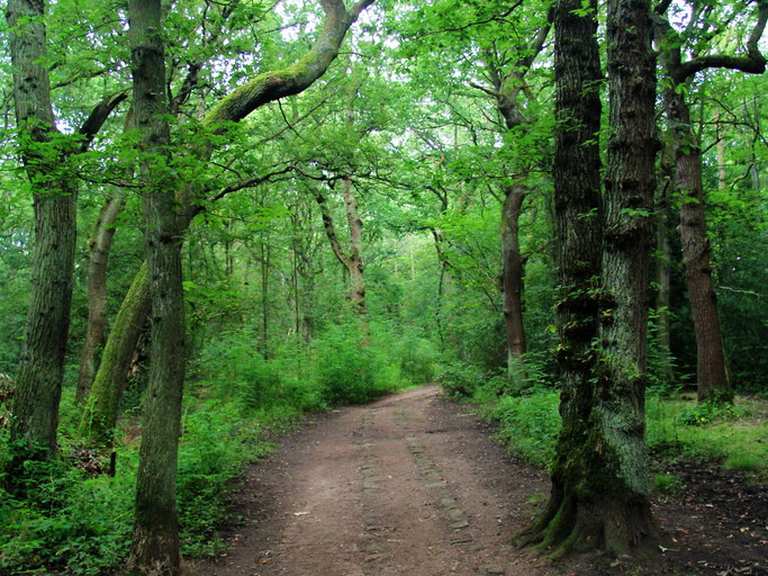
(155,549)
(355,258)
(619,401)
(352,260)
(599,488)
(98,260)
(44,152)
(507,87)
(665,184)
(512,276)
(103,403)
(712,372)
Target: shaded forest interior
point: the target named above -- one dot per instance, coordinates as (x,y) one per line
(219,217)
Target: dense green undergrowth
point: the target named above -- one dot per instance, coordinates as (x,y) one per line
(77,522)
(529,423)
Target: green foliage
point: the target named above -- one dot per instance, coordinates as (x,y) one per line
(67,521)
(707,412)
(217,444)
(233,367)
(351,370)
(529,425)
(460,380)
(418,359)
(668,483)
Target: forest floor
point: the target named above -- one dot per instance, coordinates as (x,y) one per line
(415,485)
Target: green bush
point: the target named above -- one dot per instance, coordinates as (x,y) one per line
(231,368)
(524,376)
(529,425)
(418,358)
(668,483)
(707,412)
(461,380)
(67,522)
(351,371)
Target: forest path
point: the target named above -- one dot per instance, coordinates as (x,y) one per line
(411,484)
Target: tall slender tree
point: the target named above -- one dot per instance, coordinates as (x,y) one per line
(712,370)
(47,155)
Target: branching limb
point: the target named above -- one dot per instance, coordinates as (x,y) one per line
(98,117)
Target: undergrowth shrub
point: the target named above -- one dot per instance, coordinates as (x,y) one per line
(523,377)
(461,380)
(231,368)
(67,522)
(351,371)
(418,357)
(216,445)
(661,364)
(707,412)
(529,425)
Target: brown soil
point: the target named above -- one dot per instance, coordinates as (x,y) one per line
(414,485)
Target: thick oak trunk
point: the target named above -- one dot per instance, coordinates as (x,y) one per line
(627,240)
(598,497)
(155,549)
(712,372)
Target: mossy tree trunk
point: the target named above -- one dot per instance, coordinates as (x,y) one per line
(619,399)
(155,547)
(598,497)
(102,404)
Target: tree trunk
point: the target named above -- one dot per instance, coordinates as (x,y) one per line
(44,153)
(598,480)
(264,258)
(619,397)
(101,407)
(155,547)
(98,260)
(355,259)
(352,262)
(713,382)
(664,257)
(512,277)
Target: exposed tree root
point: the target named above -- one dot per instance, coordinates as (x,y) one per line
(609,524)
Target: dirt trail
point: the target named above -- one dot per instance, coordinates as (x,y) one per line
(402,486)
